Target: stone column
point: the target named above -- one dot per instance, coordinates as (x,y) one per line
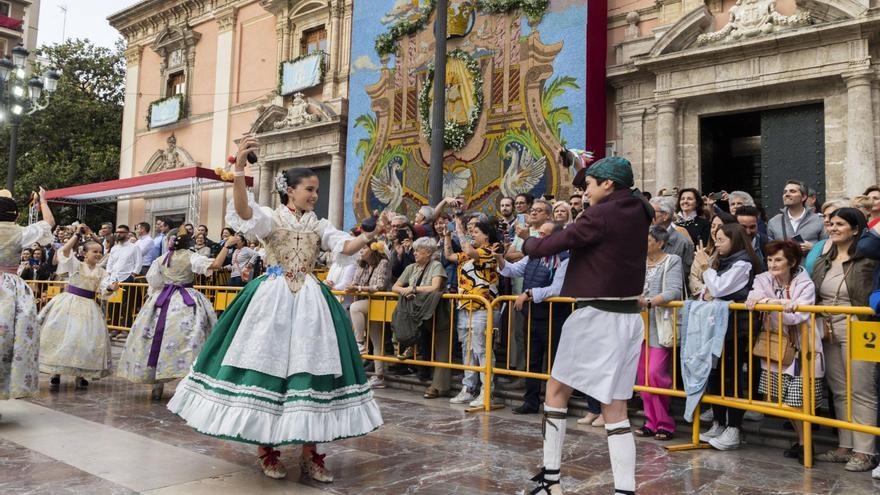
(666,166)
(129,125)
(266,185)
(334,38)
(860,153)
(336,202)
(631,141)
(213,214)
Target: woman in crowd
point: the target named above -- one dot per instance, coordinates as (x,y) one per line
(477,276)
(24,265)
(663,283)
(705,251)
(241,261)
(282,366)
(74,339)
(427,276)
(690,216)
(441,226)
(787,284)
(40,268)
(200,246)
(730,278)
(171,327)
(18,313)
(822,246)
(843,277)
(562,213)
(371,275)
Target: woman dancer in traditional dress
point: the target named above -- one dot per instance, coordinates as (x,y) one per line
(19,333)
(74,339)
(282,365)
(173,323)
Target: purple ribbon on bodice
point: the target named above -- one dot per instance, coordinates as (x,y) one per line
(76,291)
(163,302)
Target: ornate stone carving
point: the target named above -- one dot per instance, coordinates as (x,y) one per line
(632,25)
(750,18)
(297,113)
(225,20)
(170,158)
(133,55)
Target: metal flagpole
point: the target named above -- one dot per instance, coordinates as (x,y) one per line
(438,118)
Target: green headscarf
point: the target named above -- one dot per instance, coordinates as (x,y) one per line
(614,168)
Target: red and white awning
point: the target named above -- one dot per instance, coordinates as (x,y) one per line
(167,183)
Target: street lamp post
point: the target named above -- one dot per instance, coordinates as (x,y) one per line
(20,97)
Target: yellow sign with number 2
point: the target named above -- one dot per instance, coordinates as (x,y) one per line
(866,341)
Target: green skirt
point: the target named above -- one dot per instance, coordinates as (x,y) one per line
(253,407)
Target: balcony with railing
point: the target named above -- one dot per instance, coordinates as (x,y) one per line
(11,23)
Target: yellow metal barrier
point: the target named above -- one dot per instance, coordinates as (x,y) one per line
(863,339)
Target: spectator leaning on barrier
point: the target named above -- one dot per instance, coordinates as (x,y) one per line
(200,245)
(690,216)
(371,275)
(795,221)
(663,284)
(843,277)
(703,254)
(730,279)
(786,283)
(542,279)
(424,281)
(477,276)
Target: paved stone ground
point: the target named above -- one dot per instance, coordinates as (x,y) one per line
(113,439)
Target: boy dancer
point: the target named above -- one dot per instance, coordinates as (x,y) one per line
(599,347)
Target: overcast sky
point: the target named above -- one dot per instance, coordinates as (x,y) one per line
(85,19)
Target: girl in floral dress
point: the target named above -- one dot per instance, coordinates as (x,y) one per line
(74,339)
(282,365)
(173,323)
(19,333)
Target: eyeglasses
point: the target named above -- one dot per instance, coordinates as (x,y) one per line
(539,211)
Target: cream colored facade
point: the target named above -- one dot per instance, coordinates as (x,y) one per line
(229,52)
(672,63)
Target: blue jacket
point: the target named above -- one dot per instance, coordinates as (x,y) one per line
(704,326)
(869,246)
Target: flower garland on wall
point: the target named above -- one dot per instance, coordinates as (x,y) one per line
(455,134)
(386,43)
(322,65)
(181,110)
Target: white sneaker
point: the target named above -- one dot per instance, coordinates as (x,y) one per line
(753,416)
(876,473)
(376,382)
(713,432)
(362,347)
(708,416)
(463,397)
(478,400)
(729,440)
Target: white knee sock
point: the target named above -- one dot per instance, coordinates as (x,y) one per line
(554,436)
(622,450)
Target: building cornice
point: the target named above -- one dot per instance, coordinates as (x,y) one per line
(149,16)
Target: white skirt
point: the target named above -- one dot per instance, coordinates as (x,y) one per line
(599,352)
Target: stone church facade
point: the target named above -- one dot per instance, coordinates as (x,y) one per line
(746,94)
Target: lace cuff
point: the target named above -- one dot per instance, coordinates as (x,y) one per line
(258,226)
(40,233)
(200,264)
(334,240)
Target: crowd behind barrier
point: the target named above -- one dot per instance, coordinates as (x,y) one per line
(452,290)
(440,345)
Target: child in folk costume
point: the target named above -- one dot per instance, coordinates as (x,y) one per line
(282,365)
(74,339)
(601,341)
(19,333)
(173,323)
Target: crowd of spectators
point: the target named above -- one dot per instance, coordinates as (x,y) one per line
(717,246)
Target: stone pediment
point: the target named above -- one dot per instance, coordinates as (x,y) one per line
(300,112)
(756,18)
(170,158)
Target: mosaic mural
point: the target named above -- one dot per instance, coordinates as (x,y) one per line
(515,95)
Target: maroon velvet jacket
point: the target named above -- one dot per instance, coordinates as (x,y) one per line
(608,245)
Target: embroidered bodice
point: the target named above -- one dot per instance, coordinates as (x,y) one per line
(86,278)
(180,272)
(295,251)
(292,242)
(10,244)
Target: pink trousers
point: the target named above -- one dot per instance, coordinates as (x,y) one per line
(659,376)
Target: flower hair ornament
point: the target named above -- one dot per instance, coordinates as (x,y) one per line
(378,246)
(280,182)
